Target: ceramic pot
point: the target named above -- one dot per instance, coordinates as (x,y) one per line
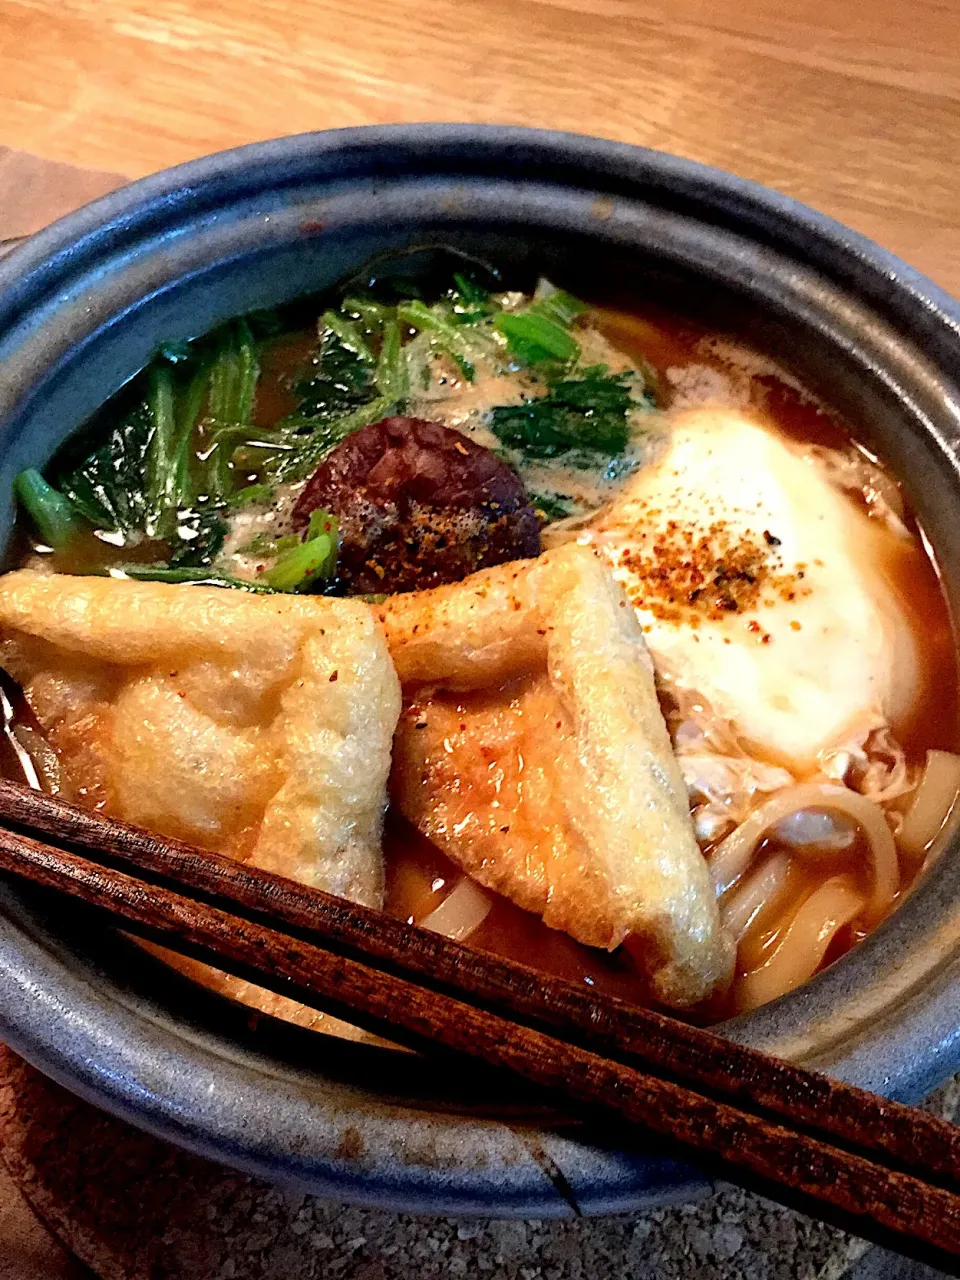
(85,303)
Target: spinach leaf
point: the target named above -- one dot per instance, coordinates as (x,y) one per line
(147,476)
(539,333)
(444,333)
(226,378)
(107,486)
(537,339)
(233,375)
(349,388)
(369,315)
(53,515)
(556,305)
(198,537)
(343,378)
(471,301)
(303,443)
(585,413)
(391,375)
(168,461)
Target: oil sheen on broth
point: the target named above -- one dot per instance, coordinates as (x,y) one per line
(805,890)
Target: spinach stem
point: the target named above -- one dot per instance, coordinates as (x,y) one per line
(162,488)
(193,576)
(350,335)
(392,366)
(449,337)
(303,564)
(53,515)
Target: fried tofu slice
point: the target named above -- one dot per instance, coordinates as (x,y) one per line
(259,726)
(532,750)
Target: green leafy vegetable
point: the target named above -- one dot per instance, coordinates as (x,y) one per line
(471,301)
(447,335)
(350,336)
(588,413)
(305,442)
(556,305)
(372,316)
(187,490)
(53,515)
(341,382)
(252,493)
(536,339)
(303,564)
(199,537)
(107,485)
(234,375)
(323,522)
(163,456)
(392,379)
(232,384)
(148,476)
(540,332)
(194,576)
(349,388)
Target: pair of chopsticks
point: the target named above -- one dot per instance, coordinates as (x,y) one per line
(876,1168)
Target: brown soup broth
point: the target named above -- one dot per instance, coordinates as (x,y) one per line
(418,875)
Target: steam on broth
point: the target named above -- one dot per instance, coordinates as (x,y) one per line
(464,450)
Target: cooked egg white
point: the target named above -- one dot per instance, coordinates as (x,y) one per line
(762,587)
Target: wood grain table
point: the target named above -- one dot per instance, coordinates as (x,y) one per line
(852,107)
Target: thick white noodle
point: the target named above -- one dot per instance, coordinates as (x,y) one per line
(816,832)
(763,889)
(935,796)
(800,951)
(461,912)
(732,856)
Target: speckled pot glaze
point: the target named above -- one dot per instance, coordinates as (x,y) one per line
(85,303)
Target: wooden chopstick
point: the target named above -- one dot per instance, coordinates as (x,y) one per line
(640,1037)
(352,962)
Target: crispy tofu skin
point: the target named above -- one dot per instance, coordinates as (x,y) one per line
(532,751)
(257,726)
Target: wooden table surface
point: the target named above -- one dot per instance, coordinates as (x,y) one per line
(852,107)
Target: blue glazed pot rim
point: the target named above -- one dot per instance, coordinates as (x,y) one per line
(611,167)
(235,1103)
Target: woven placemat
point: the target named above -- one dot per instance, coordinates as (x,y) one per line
(34,191)
(135,1208)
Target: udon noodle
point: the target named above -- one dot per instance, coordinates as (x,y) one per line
(931,804)
(835,902)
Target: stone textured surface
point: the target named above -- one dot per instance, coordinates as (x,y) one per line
(134,1208)
(28,1251)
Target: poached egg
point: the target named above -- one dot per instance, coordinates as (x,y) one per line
(762,587)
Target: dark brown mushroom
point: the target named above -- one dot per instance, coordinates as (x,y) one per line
(419,505)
